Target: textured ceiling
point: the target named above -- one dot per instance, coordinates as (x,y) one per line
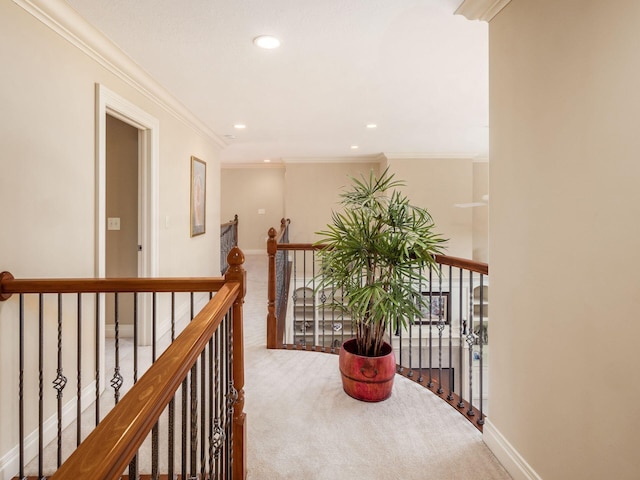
(410,66)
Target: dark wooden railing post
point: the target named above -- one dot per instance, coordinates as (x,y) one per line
(272,320)
(5,277)
(235,229)
(237,273)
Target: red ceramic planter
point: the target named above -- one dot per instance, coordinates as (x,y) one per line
(369,379)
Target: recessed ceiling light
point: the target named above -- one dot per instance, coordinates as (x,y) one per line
(266,41)
(354,147)
(240,126)
(372,125)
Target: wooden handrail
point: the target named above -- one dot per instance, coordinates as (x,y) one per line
(10,285)
(478,267)
(230,222)
(284,223)
(108,449)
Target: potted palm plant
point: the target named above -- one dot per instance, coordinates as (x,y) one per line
(375,252)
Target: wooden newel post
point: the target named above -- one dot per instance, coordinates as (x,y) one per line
(272,320)
(236,273)
(4,278)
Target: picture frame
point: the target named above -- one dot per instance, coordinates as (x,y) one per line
(436,306)
(198,211)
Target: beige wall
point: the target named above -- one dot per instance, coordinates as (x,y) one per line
(565,204)
(480,214)
(245,192)
(308,192)
(437,184)
(47,185)
(312,191)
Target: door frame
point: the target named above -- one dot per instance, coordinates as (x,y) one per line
(108,102)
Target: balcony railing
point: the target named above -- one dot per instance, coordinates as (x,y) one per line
(184,416)
(228,240)
(446,350)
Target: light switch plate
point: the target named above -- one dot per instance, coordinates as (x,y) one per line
(113,223)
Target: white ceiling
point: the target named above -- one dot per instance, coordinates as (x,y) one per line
(410,66)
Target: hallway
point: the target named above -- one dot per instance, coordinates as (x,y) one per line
(301,425)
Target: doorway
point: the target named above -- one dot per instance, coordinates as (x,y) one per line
(141,131)
(121,255)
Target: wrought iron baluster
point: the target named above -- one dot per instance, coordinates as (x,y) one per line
(97,360)
(135,337)
(212,412)
(40,384)
(183,465)
(79,372)
(470,342)
(203,412)
(323,306)
(232,395)
(116,380)
(480,347)
(451,370)
(171,422)
(430,349)
(154,451)
(173,316)
(294,297)
(420,346)
(21,388)
(440,329)
(463,327)
(154,328)
(59,383)
(133,468)
(193,416)
(219,426)
(410,328)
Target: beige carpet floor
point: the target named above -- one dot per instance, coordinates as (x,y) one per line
(302,426)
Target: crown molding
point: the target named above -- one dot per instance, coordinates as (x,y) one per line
(483,10)
(60,17)
(255,166)
(430,156)
(378,157)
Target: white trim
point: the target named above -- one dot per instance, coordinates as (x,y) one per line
(328,159)
(60,17)
(431,156)
(263,166)
(508,456)
(483,10)
(10,463)
(108,102)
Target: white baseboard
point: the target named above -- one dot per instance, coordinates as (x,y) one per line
(10,463)
(511,460)
(164,324)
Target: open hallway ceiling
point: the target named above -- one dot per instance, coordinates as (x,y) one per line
(411,67)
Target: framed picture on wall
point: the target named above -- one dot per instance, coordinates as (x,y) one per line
(198,196)
(436,306)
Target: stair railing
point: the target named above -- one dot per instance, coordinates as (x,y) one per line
(228,240)
(278,286)
(446,349)
(200,374)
